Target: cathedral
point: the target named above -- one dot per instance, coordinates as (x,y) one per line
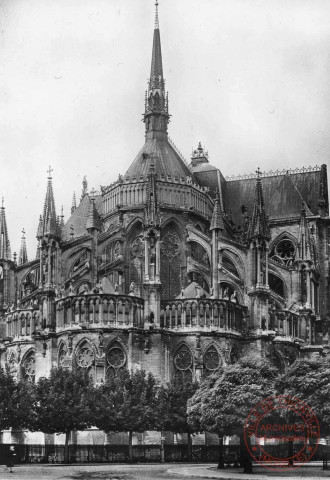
(172,268)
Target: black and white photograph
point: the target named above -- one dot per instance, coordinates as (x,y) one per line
(164,239)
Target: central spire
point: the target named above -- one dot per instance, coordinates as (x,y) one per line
(156,115)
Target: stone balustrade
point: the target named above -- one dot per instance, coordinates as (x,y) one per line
(96,310)
(288,324)
(22,322)
(194,313)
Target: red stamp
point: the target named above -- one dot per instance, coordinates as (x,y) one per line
(281,433)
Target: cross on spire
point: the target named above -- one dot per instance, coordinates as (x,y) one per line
(23,232)
(156,16)
(49,171)
(258,172)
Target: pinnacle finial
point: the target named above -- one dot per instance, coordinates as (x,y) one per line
(92,194)
(156,16)
(23,233)
(2,202)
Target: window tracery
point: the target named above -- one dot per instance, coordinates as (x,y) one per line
(85,357)
(62,357)
(183,363)
(28,367)
(12,364)
(137,247)
(116,359)
(212,360)
(170,245)
(284,252)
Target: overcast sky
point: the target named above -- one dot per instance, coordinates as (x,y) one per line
(248,78)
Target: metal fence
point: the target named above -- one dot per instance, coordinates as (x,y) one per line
(141,453)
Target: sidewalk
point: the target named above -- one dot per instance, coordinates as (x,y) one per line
(211,471)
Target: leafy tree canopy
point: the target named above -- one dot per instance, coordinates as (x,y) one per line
(172,401)
(64,402)
(127,402)
(224,400)
(15,402)
(309,380)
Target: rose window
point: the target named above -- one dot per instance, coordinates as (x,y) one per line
(30,368)
(284,252)
(183,359)
(116,357)
(211,359)
(170,246)
(85,357)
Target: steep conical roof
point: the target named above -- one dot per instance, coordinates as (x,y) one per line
(5,252)
(93,220)
(23,256)
(217,217)
(259,226)
(48,222)
(305,243)
(156,58)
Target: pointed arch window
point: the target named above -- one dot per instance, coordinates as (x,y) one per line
(29,368)
(211,360)
(116,359)
(62,356)
(183,363)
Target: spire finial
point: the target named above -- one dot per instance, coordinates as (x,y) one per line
(156,16)
(49,171)
(258,172)
(23,233)
(2,202)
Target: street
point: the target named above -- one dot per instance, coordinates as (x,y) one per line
(150,472)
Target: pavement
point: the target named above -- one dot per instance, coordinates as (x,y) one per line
(154,472)
(260,473)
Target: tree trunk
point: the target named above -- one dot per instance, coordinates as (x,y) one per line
(189,447)
(221,463)
(246,461)
(290,445)
(130,446)
(66,447)
(162,448)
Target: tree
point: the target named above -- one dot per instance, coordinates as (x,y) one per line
(127,402)
(64,402)
(225,399)
(309,380)
(172,401)
(15,402)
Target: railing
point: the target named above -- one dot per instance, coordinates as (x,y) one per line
(117,453)
(273,173)
(206,313)
(95,310)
